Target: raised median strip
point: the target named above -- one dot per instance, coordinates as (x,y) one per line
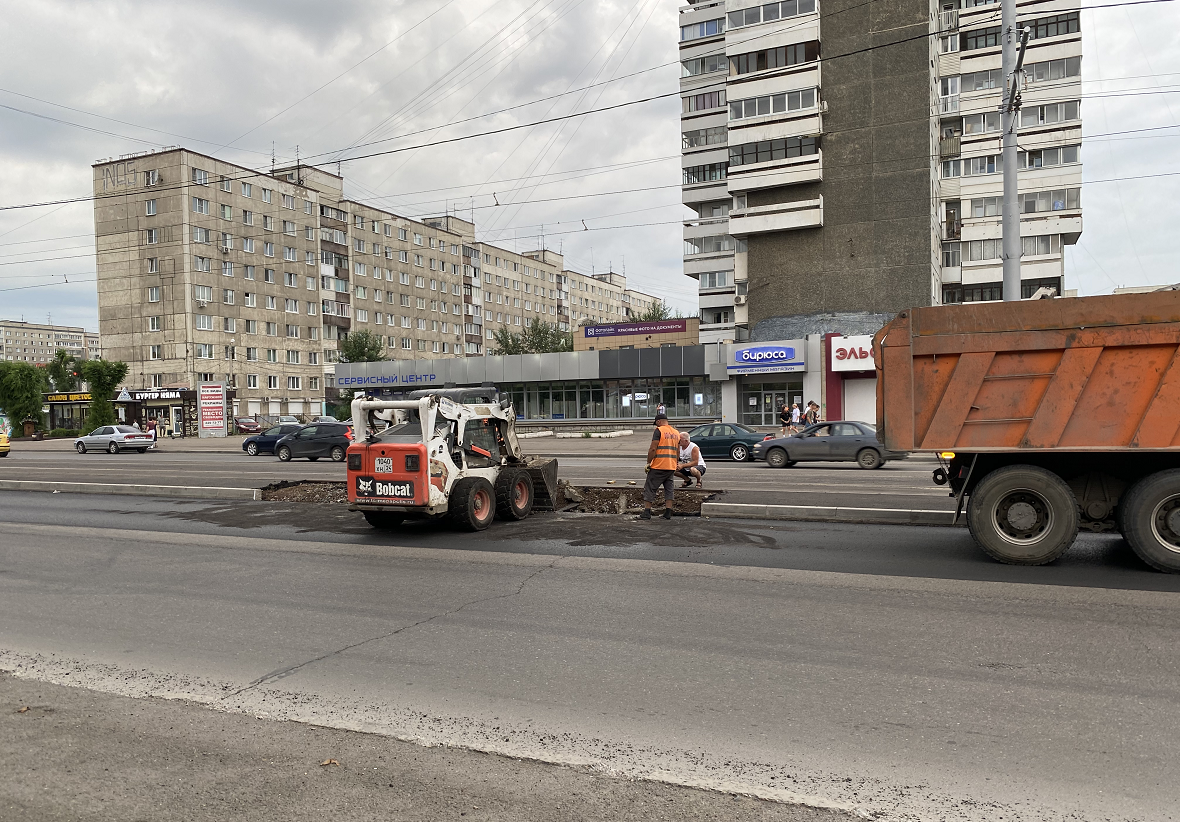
(178,491)
(827,513)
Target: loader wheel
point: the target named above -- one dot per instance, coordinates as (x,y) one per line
(472,505)
(384,521)
(1023,515)
(1149,516)
(514,494)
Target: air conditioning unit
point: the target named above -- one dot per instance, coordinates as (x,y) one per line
(202,304)
(740,299)
(225,249)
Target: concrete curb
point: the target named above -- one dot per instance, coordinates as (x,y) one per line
(534,434)
(599,435)
(176,491)
(824,513)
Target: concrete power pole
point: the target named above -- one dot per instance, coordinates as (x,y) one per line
(1010,111)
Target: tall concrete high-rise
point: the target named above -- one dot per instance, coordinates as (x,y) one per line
(843,158)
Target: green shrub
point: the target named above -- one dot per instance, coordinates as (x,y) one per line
(71,433)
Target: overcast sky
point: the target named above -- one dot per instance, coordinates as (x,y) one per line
(240,80)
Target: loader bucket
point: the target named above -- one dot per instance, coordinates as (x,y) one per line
(544,474)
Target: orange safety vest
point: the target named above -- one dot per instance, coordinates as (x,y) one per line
(668,451)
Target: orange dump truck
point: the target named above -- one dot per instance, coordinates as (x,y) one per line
(1048,416)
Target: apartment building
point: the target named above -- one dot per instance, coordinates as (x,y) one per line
(37,343)
(208,271)
(839,176)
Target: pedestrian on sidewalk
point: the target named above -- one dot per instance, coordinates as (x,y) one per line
(152,425)
(691,464)
(812,412)
(784,418)
(795,416)
(662,456)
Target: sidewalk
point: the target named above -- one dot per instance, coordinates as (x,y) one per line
(176,446)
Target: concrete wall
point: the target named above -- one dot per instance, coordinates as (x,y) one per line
(873,255)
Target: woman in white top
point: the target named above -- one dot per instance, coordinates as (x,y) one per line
(690,465)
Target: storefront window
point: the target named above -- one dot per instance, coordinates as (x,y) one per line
(762,402)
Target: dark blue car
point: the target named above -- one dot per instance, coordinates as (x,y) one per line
(264,443)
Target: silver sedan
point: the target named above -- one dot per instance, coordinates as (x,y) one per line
(113,439)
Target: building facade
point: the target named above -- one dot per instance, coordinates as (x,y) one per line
(840,176)
(212,272)
(38,343)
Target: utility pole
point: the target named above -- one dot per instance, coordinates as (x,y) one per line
(1010,110)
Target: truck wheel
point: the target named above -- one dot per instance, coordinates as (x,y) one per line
(1150,520)
(777,458)
(514,494)
(472,505)
(869,459)
(382,520)
(1023,515)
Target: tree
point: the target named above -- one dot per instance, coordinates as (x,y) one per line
(62,371)
(537,337)
(20,392)
(362,346)
(658,310)
(103,377)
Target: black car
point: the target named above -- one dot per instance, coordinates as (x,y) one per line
(726,439)
(322,439)
(826,442)
(265,442)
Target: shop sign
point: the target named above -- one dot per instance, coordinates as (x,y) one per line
(143,396)
(659,327)
(211,403)
(767,359)
(83,396)
(388,379)
(853,353)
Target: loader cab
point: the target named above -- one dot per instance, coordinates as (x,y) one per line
(482,443)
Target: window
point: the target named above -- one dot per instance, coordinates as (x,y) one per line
(151,178)
(406,343)
(272,355)
(1052,113)
(1056,200)
(702,102)
(201,263)
(982,80)
(767,150)
(251,326)
(295,383)
(150,207)
(1054,25)
(247,190)
(272,381)
(200,206)
(951,255)
(201,235)
(227,268)
(152,236)
(981,123)
(313,383)
(1047,157)
(707,28)
(774,58)
(251,380)
(292,357)
(268,249)
(154,352)
(266,195)
(290,280)
(987,206)
(272,302)
(291,306)
(772,104)
(200,177)
(268,223)
(290,255)
(225,212)
(770,11)
(704,137)
(154,324)
(709,245)
(204,351)
(702,65)
(289,227)
(974,166)
(153,294)
(1052,70)
(981,38)
(948,44)
(951,168)
(153,265)
(704,174)
(229,325)
(248,244)
(203,322)
(288,201)
(1041,245)
(227,296)
(714,279)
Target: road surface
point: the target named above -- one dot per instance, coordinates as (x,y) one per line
(885,669)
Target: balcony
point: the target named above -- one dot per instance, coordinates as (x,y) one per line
(948,20)
(948,104)
(949,147)
(952,230)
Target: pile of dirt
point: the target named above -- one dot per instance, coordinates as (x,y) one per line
(607,499)
(306,491)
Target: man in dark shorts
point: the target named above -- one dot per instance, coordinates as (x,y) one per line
(662,456)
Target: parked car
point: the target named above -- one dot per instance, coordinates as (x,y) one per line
(839,441)
(324,439)
(265,442)
(726,439)
(288,418)
(5,446)
(325,419)
(247,425)
(113,439)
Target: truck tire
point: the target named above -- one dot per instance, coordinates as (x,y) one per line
(1149,517)
(472,505)
(383,520)
(1023,515)
(514,494)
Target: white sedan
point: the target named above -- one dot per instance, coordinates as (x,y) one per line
(113,439)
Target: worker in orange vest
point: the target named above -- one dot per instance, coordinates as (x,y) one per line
(663,455)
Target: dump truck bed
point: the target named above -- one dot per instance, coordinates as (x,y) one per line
(1072,374)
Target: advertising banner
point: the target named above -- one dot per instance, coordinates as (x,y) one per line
(853,353)
(211,408)
(768,358)
(656,327)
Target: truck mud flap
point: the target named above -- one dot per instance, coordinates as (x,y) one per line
(544,474)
